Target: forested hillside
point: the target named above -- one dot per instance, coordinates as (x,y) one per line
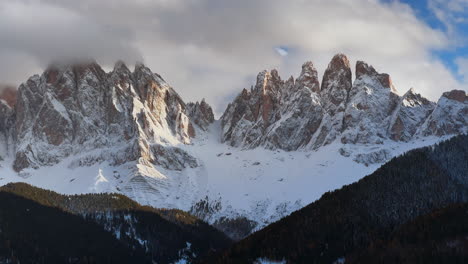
(161,235)
(349,219)
(34,233)
(438,237)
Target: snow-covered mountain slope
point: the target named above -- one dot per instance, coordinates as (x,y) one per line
(279,146)
(260,184)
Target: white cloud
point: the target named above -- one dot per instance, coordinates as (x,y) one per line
(214,48)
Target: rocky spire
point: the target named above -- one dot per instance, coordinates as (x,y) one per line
(201,113)
(450,116)
(410,114)
(308,77)
(252,119)
(363,69)
(336,84)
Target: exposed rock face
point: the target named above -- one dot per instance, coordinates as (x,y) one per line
(72,109)
(248,117)
(7,117)
(411,112)
(450,116)
(363,69)
(336,84)
(275,114)
(296,114)
(308,77)
(369,108)
(8,94)
(201,113)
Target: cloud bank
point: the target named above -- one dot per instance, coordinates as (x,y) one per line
(214,48)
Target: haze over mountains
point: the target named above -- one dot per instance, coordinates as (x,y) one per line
(278,146)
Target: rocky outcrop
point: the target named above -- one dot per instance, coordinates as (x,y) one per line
(8,94)
(275,113)
(72,109)
(369,108)
(201,113)
(308,77)
(364,70)
(251,113)
(450,116)
(7,136)
(336,84)
(411,112)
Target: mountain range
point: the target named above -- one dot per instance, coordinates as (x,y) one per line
(277,147)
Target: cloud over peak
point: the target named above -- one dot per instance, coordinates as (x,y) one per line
(214,48)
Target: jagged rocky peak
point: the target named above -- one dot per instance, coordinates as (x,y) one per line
(369,107)
(120,66)
(456,95)
(201,113)
(59,72)
(268,83)
(338,73)
(336,83)
(121,78)
(308,77)
(274,114)
(254,107)
(76,108)
(365,70)
(409,115)
(450,116)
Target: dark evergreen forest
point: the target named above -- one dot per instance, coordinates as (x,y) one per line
(358,216)
(41,226)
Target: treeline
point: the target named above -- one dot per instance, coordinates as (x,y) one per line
(438,237)
(348,220)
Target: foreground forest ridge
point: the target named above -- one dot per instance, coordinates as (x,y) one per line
(378,219)
(41,226)
(411,210)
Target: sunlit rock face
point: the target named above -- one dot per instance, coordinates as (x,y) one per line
(78,108)
(300,113)
(275,113)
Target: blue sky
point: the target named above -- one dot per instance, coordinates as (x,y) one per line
(425,10)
